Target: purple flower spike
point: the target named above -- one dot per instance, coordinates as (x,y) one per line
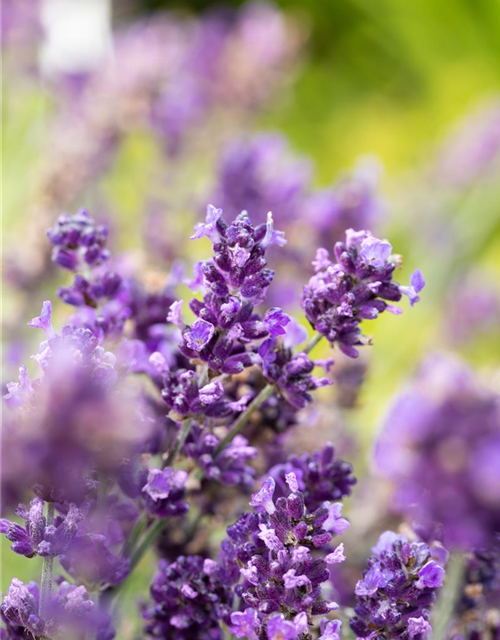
(44,320)
(209,227)
(358,286)
(264,497)
(244,624)
(280,629)
(375,252)
(199,335)
(400,582)
(275,321)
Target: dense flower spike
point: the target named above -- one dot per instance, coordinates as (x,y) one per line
(358,286)
(277,549)
(397,590)
(441,446)
(232,282)
(38,538)
(319,476)
(190,600)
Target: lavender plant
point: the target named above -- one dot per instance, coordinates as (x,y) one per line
(148,413)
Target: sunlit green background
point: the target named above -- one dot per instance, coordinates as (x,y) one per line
(390,78)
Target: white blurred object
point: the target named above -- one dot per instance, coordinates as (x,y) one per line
(77,35)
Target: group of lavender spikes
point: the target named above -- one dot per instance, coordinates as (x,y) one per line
(138,418)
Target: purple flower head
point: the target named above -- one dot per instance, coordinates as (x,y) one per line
(375,252)
(358,286)
(199,335)
(440,447)
(36,538)
(282,551)
(209,227)
(321,477)
(20,608)
(417,283)
(211,392)
(165,492)
(393,599)
(44,321)
(19,393)
(275,321)
(430,575)
(162,481)
(188,602)
(418,627)
(245,624)
(261,174)
(264,497)
(280,629)
(272,236)
(375,578)
(228,466)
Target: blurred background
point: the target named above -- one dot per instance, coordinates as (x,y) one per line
(334,114)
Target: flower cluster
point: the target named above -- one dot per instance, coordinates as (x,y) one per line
(441,446)
(397,590)
(320,476)
(358,286)
(191,599)
(137,420)
(279,547)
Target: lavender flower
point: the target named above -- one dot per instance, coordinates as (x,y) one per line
(357,287)
(232,283)
(190,600)
(440,445)
(291,373)
(320,477)
(260,175)
(397,590)
(36,538)
(165,492)
(228,465)
(71,613)
(281,571)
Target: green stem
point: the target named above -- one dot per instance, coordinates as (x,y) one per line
(179,443)
(448,598)
(47,570)
(313,342)
(256,403)
(149,537)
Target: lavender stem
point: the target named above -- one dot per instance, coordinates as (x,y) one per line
(448,598)
(47,569)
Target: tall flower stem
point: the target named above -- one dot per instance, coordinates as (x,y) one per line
(179,442)
(316,339)
(448,598)
(47,569)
